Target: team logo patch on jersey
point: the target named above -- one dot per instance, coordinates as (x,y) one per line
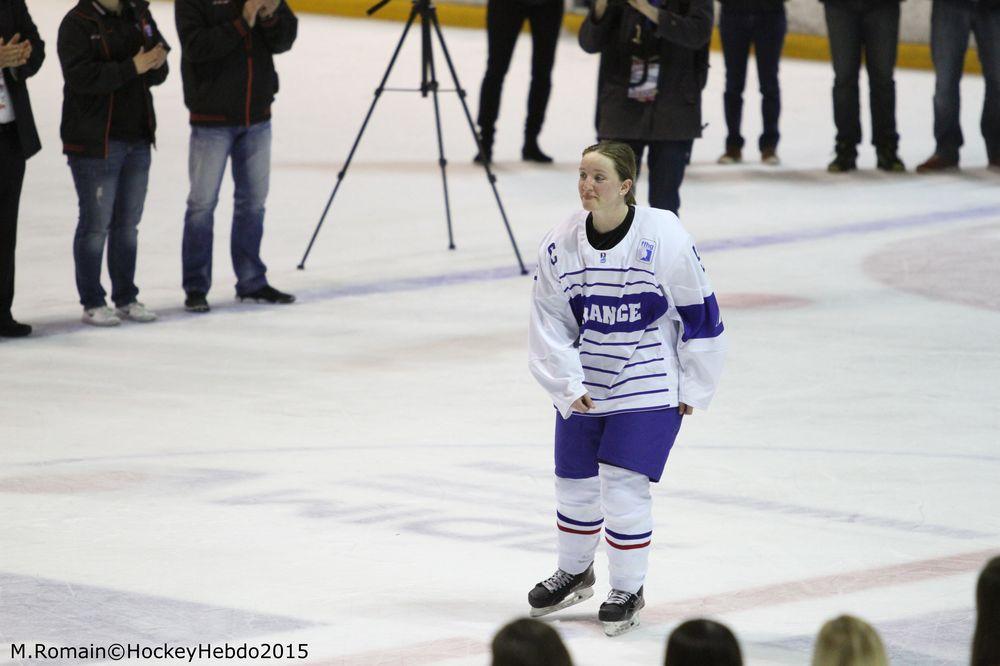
(604,257)
(645,251)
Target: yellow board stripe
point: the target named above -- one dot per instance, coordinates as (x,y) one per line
(804,47)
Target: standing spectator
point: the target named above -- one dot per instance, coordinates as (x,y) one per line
(21,54)
(654,64)
(229,86)
(111,53)
(702,643)
(504,19)
(848,640)
(868,28)
(951,22)
(986,641)
(761,24)
(527,642)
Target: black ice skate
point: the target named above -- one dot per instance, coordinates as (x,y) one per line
(620,612)
(561,590)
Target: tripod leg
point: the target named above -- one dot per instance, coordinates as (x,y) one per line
(357,140)
(441,160)
(475,136)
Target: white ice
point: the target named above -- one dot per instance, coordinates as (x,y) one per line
(369,471)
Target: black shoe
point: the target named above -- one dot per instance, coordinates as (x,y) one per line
(530,152)
(14,329)
(843,163)
(485,156)
(888,160)
(485,153)
(267,294)
(196,302)
(620,612)
(560,590)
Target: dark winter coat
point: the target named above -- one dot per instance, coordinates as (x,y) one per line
(14,19)
(753,5)
(227,66)
(101,86)
(681,43)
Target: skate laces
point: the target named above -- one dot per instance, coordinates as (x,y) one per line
(619,597)
(559,579)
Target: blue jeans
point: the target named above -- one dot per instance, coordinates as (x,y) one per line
(211,148)
(112,193)
(951,23)
(871,29)
(667,161)
(766,32)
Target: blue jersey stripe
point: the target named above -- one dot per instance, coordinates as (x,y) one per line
(620,358)
(624,381)
(701,320)
(610,284)
(629,395)
(609,270)
(612,344)
(632,365)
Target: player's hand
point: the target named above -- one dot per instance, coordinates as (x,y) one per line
(250,11)
(684,410)
(583,404)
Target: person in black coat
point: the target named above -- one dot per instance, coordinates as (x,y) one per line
(654,65)
(504,19)
(21,54)
(868,28)
(111,52)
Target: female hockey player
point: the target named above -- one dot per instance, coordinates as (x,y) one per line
(626,339)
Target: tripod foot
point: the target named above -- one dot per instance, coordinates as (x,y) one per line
(301,267)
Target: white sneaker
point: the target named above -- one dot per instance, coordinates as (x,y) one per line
(100,316)
(136,311)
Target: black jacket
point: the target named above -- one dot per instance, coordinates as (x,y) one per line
(753,5)
(680,41)
(227,67)
(14,19)
(101,84)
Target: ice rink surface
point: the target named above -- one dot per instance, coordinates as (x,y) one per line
(369,471)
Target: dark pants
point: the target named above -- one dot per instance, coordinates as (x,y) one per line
(112,194)
(667,161)
(871,29)
(951,23)
(11,179)
(765,31)
(504,19)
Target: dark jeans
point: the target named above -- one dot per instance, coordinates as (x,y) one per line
(112,193)
(11,179)
(504,19)
(765,31)
(951,23)
(871,29)
(211,148)
(667,161)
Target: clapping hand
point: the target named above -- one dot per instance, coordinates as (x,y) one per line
(15,52)
(250,10)
(152,59)
(270,6)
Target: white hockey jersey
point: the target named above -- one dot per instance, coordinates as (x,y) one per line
(637,326)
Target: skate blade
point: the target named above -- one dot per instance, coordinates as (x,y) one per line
(618,628)
(571,600)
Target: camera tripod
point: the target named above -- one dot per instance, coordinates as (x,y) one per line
(425,10)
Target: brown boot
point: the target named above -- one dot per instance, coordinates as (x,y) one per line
(937,164)
(769,156)
(733,155)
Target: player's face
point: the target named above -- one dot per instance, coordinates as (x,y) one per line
(599,185)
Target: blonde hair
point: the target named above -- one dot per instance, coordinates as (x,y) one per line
(623,158)
(848,641)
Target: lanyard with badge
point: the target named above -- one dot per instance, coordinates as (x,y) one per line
(644,76)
